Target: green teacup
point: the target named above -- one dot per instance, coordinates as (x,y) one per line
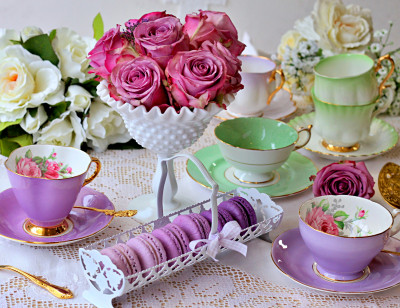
(349,79)
(255,147)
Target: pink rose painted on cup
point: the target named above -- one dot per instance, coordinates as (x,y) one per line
(160,39)
(140,82)
(196,77)
(215,27)
(108,51)
(26,166)
(317,219)
(233,65)
(344,178)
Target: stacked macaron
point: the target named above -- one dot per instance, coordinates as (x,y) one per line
(150,249)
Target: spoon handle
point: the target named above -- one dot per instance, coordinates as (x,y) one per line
(392,252)
(128,213)
(57,291)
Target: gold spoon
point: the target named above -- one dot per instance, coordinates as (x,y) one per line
(389,184)
(128,213)
(392,252)
(57,291)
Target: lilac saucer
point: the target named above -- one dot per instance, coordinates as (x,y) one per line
(85,223)
(292,257)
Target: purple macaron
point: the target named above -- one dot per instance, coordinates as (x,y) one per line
(194,225)
(223,217)
(174,240)
(124,259)
(149,250)
(241,211)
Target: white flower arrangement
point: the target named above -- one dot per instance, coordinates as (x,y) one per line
(48,96)
(334,28)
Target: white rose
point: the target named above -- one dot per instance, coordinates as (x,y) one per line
(341,28)
(26,81)
(31,124)
(72,50)
(29,32)
(65,130)
(104,126)
(80,98)
(290,39)
(6,35)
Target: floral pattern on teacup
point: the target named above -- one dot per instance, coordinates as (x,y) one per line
(332,219)
(42,167)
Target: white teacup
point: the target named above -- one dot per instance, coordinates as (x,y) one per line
(258,77)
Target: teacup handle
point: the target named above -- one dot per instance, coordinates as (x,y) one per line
(306,129)
(379,66)
(396,229)
(271,78)
(95,173)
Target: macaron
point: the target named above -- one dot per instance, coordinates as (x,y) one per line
(223,217)
(241,211)
(194,225)
(174,240)
(149,250)
(124,259)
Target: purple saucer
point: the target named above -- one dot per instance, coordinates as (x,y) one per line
(293,258)
(85,223)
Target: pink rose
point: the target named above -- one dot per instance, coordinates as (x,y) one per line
(361,213)
(233,65)
(108,51)
(321,221)
(26,166)
(146,18)
(196,77)
(140,82)
(52,165)
(51,174)
(69,169)
(160,39)
(214,27)
(344,178)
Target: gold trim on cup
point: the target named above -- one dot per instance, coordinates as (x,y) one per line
(58,230)
(340,149)
(379,66)
(365,273)
(256,183)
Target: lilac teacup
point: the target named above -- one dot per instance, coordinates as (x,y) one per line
(46,181)
(344,233)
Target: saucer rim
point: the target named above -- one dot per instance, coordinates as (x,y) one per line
(331,155)
(66,242)
(273,197)
(322,289)
(286,116)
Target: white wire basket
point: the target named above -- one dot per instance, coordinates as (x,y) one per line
(107,282)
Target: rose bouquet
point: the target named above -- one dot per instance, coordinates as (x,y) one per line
(47,94)
(344,178)
(334,28)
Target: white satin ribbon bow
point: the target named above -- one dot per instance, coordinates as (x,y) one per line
(223,239)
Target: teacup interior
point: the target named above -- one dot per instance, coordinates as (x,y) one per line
(256,133)
(347,216)
(344,65)
(251,64)
(64,161)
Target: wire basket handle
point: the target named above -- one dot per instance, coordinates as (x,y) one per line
(207,176)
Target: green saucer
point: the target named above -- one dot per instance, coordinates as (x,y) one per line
(291,178)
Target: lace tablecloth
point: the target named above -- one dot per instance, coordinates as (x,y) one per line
(235,281)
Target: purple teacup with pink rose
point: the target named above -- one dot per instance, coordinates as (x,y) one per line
(46,180)
(344,233)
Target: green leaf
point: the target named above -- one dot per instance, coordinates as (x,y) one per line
(28,154)
(33,112)
(7,145)
(91,86)
(340,224)
(56,110)
(37,159)
(131,144)
(41,45)
(340,214)
(16,42)
(4,125)
(52,34)
(98,27)
(325,207)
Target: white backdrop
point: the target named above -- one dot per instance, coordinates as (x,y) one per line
(264,20)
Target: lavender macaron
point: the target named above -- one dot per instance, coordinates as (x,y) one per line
(174,240)
(223,217)
(149,250)
(124,259)
(194,225)
(241,211)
